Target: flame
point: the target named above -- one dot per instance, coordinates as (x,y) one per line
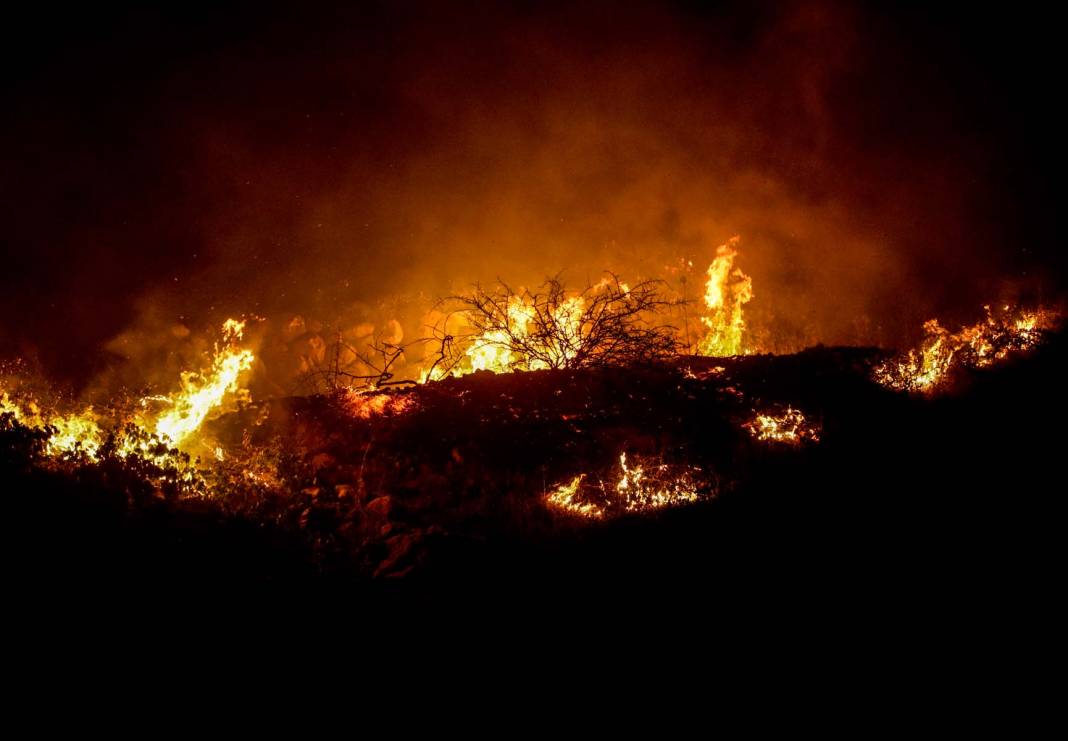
(789,427)
(70,432)
(976,346)
(727,290)
(436,373)
(565,499)
(75,432)
(639,491)
(204,391)
(493,350)
(185,410)
(639,488)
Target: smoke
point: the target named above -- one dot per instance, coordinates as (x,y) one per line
(341,169)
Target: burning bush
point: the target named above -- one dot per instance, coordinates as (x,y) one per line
(609,323)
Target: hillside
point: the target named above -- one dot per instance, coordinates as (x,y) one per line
(439,493)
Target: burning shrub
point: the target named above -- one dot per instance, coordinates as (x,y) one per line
(608,324)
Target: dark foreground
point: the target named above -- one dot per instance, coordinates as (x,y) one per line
(906,509)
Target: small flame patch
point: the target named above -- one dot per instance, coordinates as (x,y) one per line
(640,486)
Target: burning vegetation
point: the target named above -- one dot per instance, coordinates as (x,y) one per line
(515,387)
(1005,331)
(163,429)
(639,487)
(561,303)
(727,291)
(365,405)
(609,323)
(789,426)
(502,330)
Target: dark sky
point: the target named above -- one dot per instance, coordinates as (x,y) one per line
(881,165)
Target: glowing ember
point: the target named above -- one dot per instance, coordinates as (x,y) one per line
(367,405)
(790,427)
(980,345)
(639,488)
(727,291)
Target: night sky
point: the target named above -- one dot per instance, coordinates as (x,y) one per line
(175,165)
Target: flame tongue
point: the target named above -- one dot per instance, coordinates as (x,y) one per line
(728,289)
(185,410)
(203,392)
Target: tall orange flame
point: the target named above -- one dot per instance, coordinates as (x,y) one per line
(727,291)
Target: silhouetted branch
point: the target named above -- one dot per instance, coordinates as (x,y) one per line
(609,323)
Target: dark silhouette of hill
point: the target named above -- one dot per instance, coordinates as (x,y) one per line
(907,506)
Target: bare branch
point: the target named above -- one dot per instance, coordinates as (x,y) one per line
(606,324)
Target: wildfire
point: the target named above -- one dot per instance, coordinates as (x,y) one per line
(727,291)
(204,391)
(70,432)
(530,333)
(976,346)
(562,330)
(639,488)
(184,410)
(789,427)
(492,349)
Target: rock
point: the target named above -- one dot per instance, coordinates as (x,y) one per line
(402,548)
(380,506)
(321,461)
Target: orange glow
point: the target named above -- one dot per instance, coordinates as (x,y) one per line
(367,405)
